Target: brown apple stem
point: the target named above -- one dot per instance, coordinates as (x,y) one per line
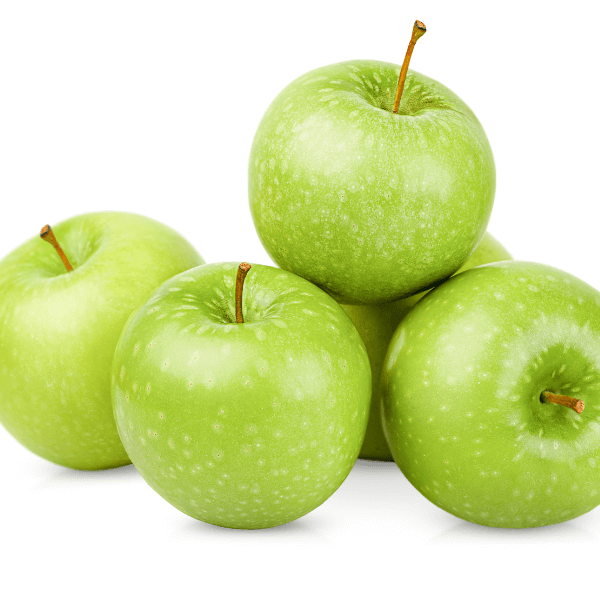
(47,234)
(418,31)
(239,290)
(574,403)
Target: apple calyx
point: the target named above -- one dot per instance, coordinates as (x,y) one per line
(418,31)
(48,235)
(574,403)
(239,290)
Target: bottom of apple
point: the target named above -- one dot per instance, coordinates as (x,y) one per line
(528,521)
(253,519)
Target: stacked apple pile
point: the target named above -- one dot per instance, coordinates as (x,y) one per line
(243,394)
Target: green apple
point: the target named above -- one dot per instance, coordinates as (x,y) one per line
(60,329)
(376,324)
(466,404)
(242,424)
(370,205)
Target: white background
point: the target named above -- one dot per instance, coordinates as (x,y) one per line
(151,107)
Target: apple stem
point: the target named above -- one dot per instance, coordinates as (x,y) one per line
(574,403)
(418,31)
(239,290)
(47,234)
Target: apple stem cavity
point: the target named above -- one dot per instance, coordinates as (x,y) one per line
(574,403)
(47,234)
(418,31)
(239,290)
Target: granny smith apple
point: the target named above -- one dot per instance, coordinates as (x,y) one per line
(470,385)
(245,420)
(60,328)
(376,324)
(370,205)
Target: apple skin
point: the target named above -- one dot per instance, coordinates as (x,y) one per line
(461,391)
(370,205)
(376,324)
(244,425)
(59,330)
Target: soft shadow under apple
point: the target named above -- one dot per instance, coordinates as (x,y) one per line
(463,532)
(63,477)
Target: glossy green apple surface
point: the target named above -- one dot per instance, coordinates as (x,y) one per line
(462,385)
(376,324)
(60,329)
(370,205)
(244,425)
